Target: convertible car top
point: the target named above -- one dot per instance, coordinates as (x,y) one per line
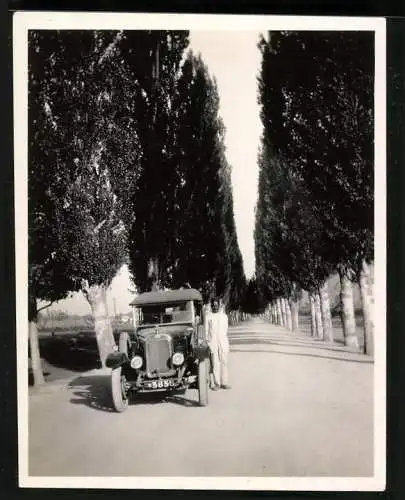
(161,297)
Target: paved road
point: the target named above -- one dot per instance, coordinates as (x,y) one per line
(297,407)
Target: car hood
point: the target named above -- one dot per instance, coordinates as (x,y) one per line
(179,329)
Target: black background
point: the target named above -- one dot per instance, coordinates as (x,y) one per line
(395,244)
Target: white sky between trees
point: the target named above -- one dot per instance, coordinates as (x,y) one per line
(233,59)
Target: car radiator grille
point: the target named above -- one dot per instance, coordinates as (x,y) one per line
(158,352)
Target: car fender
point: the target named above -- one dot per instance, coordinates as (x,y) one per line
(116,359)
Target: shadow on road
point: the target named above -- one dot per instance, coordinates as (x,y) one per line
(94,391)
(159,398)
(312,343)
(345,356)
(295,342)
(302,344)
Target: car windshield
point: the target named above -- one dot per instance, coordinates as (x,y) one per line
(179,312)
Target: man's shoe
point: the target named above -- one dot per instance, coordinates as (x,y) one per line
(214,388)
(225,386)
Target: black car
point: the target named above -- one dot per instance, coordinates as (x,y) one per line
(166,351)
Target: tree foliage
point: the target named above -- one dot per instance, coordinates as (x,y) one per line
(325,123)
(208,241)
(253,301)
(127,157)
(156,64)
(84,148)
(316,163)
(188,195)
(288,235)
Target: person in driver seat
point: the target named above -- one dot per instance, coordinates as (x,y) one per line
(217,336)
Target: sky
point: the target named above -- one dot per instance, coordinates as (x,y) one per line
(233,59)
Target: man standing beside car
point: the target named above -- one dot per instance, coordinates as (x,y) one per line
(217,323)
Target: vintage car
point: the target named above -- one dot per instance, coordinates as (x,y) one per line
(166,350)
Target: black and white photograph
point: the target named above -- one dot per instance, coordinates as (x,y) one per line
(200,251)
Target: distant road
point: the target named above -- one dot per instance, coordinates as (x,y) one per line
(297,407)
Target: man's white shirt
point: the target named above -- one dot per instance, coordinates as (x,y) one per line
(218,330)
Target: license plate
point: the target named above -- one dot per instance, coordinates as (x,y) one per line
(159,384)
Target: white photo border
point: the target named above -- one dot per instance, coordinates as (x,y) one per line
(24,21)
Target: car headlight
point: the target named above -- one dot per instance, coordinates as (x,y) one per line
(178,358)
(136,362)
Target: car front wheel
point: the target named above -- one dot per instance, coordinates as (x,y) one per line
(203,382)
(118,390)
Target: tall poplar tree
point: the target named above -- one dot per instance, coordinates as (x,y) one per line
(154,58)
(318,113)
(208,255)
(83,161)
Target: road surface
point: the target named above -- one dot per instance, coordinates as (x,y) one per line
(297,407)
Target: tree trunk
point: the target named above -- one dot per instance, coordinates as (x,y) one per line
(288,313)
(318,317)
(153,273)
(347,306)
(279,312)
(273,313)
(313,315)
(371,290)
(283,312)
(326,314)
(295,315)
(36,367)
(97,298)
(366,292)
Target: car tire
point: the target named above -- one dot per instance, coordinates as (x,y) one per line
(203,382)
(124,343)
(119,395)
